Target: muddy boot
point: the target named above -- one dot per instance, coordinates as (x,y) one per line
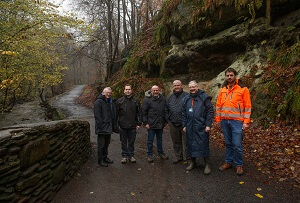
(192,164)
(207,167)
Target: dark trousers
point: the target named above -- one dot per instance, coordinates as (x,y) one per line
(127,138)
(179,141)
(103,142)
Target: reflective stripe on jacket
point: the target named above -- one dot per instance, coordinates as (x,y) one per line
(234,104)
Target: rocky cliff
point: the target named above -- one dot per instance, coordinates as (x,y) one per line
(198,40)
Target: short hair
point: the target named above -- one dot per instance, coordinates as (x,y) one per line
(193,82)
(231,70)
(177,81)
(128,85)
(106,88)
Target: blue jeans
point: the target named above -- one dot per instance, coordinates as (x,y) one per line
(151,134)
(233,135)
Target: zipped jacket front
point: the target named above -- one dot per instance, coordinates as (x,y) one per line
(234,104)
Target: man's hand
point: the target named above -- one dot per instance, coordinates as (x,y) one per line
(138,127)
(207,129)
(147,126)
(184,129)
(245,126)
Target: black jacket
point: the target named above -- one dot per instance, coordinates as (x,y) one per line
(154,111)
(128,112)
(105,116)
(174,108)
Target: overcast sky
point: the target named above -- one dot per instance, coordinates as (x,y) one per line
(64,5)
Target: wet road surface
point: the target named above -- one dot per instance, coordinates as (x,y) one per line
(164,181)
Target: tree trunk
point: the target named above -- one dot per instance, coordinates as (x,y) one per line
(268,12)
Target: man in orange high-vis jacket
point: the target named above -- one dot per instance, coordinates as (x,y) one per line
(233,110)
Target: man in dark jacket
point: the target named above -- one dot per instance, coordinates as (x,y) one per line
(154,120)
(105,124)
(197,116)
(174,118)
(129,120)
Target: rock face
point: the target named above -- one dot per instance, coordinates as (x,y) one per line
(36,159)
(206,58)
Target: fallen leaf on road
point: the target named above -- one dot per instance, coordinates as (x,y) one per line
(186,171)
(91,192)
(282,179)
(132,193)
(139,169)
(259,195)
(258,189)
(241,183)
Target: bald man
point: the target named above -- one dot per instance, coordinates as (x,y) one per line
(153,108)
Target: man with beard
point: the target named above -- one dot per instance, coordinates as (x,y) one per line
(174,118)
(233,110)
(197,116)
(129,120)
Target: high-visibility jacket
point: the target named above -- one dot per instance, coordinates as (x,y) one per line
(234,104)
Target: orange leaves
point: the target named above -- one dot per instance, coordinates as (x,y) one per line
(275,151)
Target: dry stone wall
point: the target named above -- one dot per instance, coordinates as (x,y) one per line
(37,159)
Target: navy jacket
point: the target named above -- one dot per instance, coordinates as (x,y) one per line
(195,118)
(174,108)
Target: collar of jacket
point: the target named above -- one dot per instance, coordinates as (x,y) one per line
(104,98)
(177,93)
(128,97)
(236,82)
(198,93)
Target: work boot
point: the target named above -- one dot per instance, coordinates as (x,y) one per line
(192,164)
(107,160)
(225,166)
(163,156)
(207,167)
(102,163)
(132,160)
(176,161)
(150,159)
(124,160)
(239,170)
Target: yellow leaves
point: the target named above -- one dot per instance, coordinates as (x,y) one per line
(259,195)
(289,151)
(258,189)
(6,83)
(132,193)
(9,53)
(241,183)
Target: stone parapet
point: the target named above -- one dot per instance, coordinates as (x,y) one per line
(37,159)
